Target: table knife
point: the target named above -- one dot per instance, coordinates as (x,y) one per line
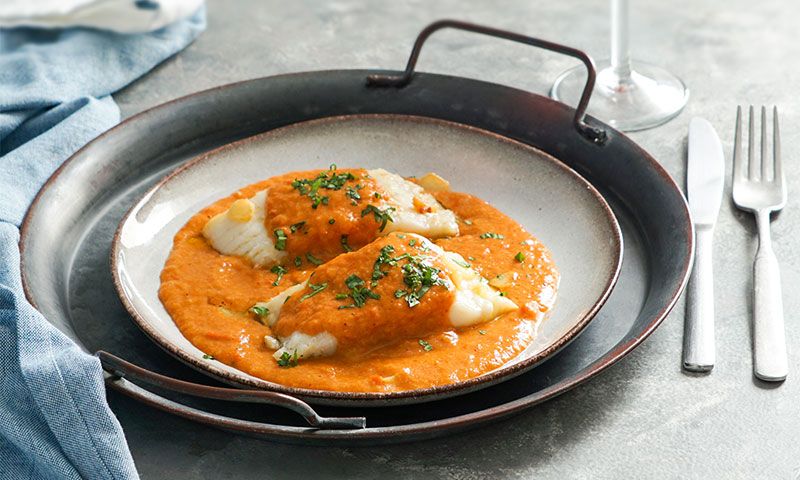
(705,179)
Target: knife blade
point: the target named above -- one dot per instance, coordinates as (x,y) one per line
(705,174)
(705,180)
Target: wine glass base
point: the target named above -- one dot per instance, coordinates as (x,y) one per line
(650,97)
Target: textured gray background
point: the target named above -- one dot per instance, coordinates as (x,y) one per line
(643,418)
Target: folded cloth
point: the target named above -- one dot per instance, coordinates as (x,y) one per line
(126,16)
(54,98)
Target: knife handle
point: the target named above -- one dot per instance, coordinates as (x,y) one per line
(769,340)
(698,337)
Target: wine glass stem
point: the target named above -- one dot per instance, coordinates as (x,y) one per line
(620,53)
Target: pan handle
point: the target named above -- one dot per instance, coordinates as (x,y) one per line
(122,373)
(593,134)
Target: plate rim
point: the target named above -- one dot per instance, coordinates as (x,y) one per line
(404,397)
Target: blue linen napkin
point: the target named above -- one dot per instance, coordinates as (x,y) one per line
(55,91)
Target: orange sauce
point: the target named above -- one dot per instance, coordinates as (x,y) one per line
(321,229)
(379,322)
(209,294)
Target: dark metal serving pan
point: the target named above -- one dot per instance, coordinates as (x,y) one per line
(68,230)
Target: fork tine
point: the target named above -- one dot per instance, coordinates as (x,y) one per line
(765,165)
(739,171)
(776,147)
(751,156)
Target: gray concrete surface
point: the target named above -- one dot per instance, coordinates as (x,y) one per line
(643,418)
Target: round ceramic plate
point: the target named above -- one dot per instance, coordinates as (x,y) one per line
(550,200)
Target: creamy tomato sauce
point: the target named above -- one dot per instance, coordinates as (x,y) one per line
(209,295)
(323,222)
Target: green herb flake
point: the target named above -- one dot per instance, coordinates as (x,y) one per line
(298,262)
(471,258)
(467,222)
(286,299)
(328,180)
(288,360)
(492,235)
(419,278)
(345,246)
(425,345)
(412,242)
(353,195)
(315,289)
(482,332)
(520,257)
(331,221)
(376,195)
(280,239)
(297,226)
(381,216)
(279,271)
(208,357)
(311,258)
(462,264)
(359,292)
(260,309)
(384,258)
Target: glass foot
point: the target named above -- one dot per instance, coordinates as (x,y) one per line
(650,97)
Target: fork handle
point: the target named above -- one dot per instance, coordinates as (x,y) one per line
(769,343)
(698,338)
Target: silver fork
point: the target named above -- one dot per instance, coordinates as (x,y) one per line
(759,186)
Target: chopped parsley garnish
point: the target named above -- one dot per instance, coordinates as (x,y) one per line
(287,298)
(460,263)
(381,216)
(417,275)
(320,200)
(329,180)
(311,258)
(359,292)
(260,310)
(345,246)
(353,195)
(412,242)
(298,261)
(280,239)
(376,195)
(331,221)
(520,257)
(297,226)
(288,360)
(419,278)
(425,345)
(279,271)
(471,258)
(208,357)
(467,222)
(492,235)
(385,258)
(482,332)
(315,289)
